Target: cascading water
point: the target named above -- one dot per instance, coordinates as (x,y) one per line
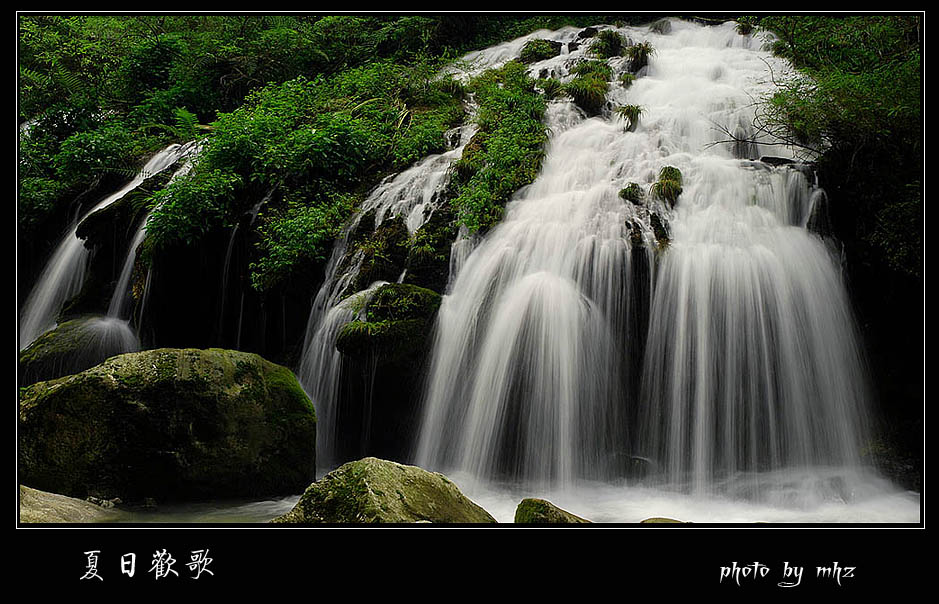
(64,274)
(90,340)
(412,195)
(751,384)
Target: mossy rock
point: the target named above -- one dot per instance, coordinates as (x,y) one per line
(539,511)
(74,346)
(428,262)
(638,55)
(398,301)
(632,193)
(171,425)
(669,185)
(661,520)
(40,507)
(660,229)
(588,92)
(539,50)
(384,251)
(608,43)
(373,490)
(399,319)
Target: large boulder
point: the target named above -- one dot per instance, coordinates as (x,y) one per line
(539,511)
(42,507)
(373,490)
(171,425)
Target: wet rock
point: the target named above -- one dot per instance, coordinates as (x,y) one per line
(373,490)
(74,346)
(168,424)
(42,507)
(662,26)
(587,32)
(539,511)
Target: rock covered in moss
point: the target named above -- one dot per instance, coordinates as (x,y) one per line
(539,511)
(74,346)
(373,490)
(661,520)
(399,318)
(42,507)
(384,251)
(539,49)
(428,261)
(170,425)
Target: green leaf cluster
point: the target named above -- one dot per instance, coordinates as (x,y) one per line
(607,43)
(589,85)
(668,186)
(538,50)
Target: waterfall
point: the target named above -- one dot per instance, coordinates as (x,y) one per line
(413,195)
(64,274)
(562,352)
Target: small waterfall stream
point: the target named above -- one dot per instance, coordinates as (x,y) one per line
(64,274)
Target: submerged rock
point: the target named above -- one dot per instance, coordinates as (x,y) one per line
(373,490)
(42,507)
(169,425)
(539,511)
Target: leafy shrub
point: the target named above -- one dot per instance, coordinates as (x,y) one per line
(589,92)
(297,238)
(638,55)
(539,50)
(668,187)
(593,68)
(551,87)
(607,43)
(110,147)
(631,192)
(630,113)
(190,207)
(506,154)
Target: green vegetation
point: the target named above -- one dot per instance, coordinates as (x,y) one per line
(607,43)
(314,108)
(551,88)
(638,55)
(589,85)
(668,186)
(506,152)
(539,50)
(630,114)
(859,104)
(631,192)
